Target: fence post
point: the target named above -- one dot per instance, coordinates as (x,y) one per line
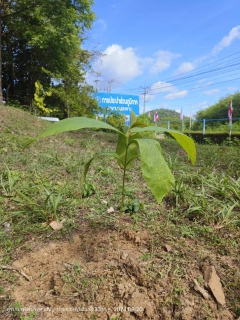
(204,126)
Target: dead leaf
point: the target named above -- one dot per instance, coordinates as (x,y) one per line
(55,225)
(110,210)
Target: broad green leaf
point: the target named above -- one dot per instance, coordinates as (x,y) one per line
(125,145)
(185,142)
(71,124)
(138,124)
(154,168)
(133,118)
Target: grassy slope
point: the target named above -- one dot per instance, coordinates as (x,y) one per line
(199,218)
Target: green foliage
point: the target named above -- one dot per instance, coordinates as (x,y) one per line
(116,119)
(132,205)
(216,138)
(39,97)
(130,146)
(88,189)
(164,114)
(220,109)
(42,41)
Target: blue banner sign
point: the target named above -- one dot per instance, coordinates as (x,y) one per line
(118,102)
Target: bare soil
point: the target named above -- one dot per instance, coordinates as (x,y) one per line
(82,278)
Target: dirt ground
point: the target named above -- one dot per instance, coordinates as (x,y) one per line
(83,279)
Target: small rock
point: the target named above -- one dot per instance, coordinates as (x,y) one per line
(7,228)
(212,281)
(123,255)
(55,225)
(201,290)
(110,210)
(167,247)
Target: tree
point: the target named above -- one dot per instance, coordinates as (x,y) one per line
(40,36)
(220,109)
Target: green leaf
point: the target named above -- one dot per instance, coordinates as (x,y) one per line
(125,145)
(185,142)
(133,118)
(138,124)
(71,124)
(84,173)
(154,168)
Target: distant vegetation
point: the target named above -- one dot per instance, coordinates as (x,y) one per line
(43,62)
(216,111)
(220,109)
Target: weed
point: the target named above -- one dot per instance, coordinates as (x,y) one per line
(179,190)
(226,215)
(132,205)
(88,189)
(78,283)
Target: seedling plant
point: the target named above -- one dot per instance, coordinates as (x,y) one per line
(130,146)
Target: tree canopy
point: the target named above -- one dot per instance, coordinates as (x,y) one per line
(220,109)
(41,43)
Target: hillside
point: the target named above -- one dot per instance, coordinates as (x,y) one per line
(166,114)
(74,272)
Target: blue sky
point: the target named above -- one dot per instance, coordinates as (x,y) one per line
(181,53)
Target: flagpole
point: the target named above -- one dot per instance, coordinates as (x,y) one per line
(181,118)
(230,112)
(155,119)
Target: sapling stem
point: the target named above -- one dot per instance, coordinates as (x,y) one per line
(122,202)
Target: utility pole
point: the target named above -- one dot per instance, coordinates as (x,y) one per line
(109,82)
(144,98)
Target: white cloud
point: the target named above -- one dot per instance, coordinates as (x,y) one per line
(161,86)
(226,41)
(124,64)
(176,95)
(189,66)
(210,92)
(118,63)
(184,67)
(162,60)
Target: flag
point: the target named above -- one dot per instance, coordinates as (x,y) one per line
(230,111)
(155,117)
(181,115)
